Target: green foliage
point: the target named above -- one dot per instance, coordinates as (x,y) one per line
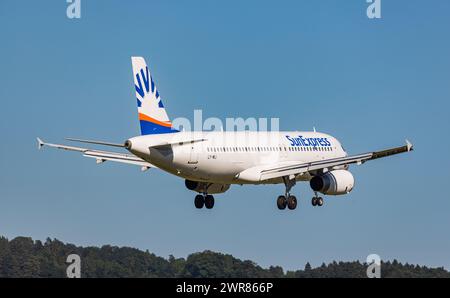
(23,257)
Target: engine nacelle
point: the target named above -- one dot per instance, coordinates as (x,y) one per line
(204,187)
(337,182)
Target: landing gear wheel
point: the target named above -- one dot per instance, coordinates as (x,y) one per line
(281,202)
(199,201)
(319,201)
(209,202)
(314,201)
(292,202)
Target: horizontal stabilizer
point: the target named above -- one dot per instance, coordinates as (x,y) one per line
(40,143)
(96,142)
(183,142)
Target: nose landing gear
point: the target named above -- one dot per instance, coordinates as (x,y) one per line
(317,201)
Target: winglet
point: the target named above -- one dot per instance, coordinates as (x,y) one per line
(409,146)
(40,143)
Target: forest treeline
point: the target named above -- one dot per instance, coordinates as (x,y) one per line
(23,257)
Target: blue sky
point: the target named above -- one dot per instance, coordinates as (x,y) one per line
(370,83)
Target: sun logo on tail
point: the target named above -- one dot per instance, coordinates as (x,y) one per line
(152,114)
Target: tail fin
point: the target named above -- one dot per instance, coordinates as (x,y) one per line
(152,114)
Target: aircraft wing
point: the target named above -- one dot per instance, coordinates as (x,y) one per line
(262,173)
(102,156)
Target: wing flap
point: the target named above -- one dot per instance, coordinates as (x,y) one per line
(383,153)
(312,166)
(117,157)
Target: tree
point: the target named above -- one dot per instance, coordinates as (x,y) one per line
(23,257)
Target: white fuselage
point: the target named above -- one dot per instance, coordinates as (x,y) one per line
(220,157)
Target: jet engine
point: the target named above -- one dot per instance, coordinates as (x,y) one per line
(205,187)
(337,182)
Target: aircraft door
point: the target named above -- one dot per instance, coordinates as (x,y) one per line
(193,157)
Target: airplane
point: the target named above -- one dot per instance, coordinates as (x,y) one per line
(211,161)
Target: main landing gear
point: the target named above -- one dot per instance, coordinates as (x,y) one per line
(317,201)
(204,200)
(287,200)
(290,202)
